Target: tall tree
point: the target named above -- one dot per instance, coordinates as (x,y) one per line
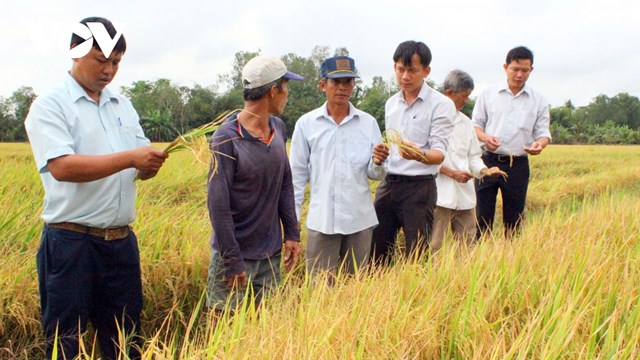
(319,54)
(159,103)
(375,97)
(7,121)
(200,106)
(158,125)
(140,95)
(233,80)
(304,96)
(20,102)
(563,115)
(625,110)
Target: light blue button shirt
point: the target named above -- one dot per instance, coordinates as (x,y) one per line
(67,121)
(337,162)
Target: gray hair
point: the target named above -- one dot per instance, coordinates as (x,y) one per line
(458,81)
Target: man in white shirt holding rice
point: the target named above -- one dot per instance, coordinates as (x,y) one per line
(456,203)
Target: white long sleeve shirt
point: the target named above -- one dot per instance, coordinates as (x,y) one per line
(427,122)
(463,154)
(337,162)
(516,120)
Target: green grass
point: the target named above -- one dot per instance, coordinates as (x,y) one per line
(567,288)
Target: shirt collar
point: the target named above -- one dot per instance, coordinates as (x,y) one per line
(505,87)
(245,134)
(324,112)
(422,95)
(76,91)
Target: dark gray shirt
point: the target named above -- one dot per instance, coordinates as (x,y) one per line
(250,197)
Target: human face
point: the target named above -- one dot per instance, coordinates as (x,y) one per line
(94,71)
(338,91)
(411,78)
(460,99)
(518,72)
(280,98)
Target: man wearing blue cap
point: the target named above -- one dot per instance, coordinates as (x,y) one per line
(250,196)
(336,148)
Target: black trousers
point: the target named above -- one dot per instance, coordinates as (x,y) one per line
(513,189)
(85,278)
(406,202)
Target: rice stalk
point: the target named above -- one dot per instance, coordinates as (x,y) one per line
(195,140)
(393,137)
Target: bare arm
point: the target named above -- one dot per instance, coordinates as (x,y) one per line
(85,168)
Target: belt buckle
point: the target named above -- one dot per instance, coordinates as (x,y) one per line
(115,234)
(503,158)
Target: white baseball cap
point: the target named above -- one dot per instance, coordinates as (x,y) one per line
(264,69)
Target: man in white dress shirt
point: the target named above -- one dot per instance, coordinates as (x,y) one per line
(337,148)
(424,118)
(512,120)
(456,194)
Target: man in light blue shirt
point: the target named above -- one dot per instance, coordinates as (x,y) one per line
(337,149)
(89,147)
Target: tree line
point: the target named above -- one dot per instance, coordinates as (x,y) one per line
(167,109)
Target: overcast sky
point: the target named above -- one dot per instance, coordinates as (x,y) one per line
(582,48)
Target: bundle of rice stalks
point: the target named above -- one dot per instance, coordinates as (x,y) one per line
(195,140)
(393,137)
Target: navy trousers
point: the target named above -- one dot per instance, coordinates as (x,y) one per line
(513,189)
(84,278)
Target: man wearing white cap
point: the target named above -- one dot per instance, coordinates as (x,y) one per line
(337,148)
(250,196)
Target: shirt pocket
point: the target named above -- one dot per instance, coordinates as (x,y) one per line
(527,120)
(128,136)
(358,152)
(418,133)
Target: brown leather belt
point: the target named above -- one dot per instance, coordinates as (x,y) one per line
(116,233)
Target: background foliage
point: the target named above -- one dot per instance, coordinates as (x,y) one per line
(167,109)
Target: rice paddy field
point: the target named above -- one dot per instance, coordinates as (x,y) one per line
(567,288)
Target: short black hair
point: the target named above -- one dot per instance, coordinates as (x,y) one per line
(121,45)
(405,52)
(519,53)
(259,92)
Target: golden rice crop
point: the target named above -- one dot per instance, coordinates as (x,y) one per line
(566,288)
